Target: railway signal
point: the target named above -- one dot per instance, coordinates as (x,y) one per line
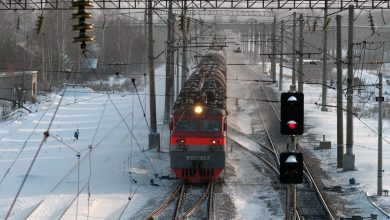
(291,110)
(291,168)
(82,26)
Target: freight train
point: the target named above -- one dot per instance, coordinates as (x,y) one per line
(198,126)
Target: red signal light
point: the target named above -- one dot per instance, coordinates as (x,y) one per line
(292,125)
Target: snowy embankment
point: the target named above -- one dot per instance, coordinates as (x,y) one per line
(107,164)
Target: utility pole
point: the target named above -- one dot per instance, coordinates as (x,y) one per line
(349,157)
(177,73)
(168,71)
(273,47)
(300,68)
(154,137)
(247,40)
(184,69)
(196,36)
(251,43)
(340,133)
(380,169)
(256,51)
(281,56)
(324,59)
(263,50)
(172,63)
(293,86)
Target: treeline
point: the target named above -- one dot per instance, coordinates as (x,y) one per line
(119,48)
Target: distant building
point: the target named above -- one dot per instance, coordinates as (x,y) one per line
(18,86)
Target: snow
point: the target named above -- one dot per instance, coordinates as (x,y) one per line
(114,167)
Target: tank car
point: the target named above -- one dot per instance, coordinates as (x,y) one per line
(198,125)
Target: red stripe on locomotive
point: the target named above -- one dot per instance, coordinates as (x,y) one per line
(198,141)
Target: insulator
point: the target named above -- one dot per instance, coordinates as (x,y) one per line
(182,23)
(39,23)
(82,3)
(81,14)
(188,23)
(326,23)
(82,26)
(372,22)
(315,25)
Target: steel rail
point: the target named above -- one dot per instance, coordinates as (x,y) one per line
(266,130)
(198,203)
(275,169)
(211,215)
(165,204)
(257,142)
(179,203)
(268,134)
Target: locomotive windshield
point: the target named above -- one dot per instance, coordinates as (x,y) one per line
(185,125)
(210,125)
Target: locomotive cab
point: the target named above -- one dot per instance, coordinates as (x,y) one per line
(197,145)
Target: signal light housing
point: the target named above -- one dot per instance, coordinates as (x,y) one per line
(291,168)
(292,113)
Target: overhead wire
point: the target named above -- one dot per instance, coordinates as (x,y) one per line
(34,158)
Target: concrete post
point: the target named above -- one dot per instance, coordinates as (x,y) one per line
(340,126)
(349,157)
(281,56)
(324,62)
(300,67)
(154,137)
(380,169)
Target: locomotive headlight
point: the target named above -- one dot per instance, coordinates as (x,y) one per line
(198,109)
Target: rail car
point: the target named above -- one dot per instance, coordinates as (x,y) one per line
(198,125)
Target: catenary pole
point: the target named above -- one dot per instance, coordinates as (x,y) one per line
(263,46)
(300,66)
(281,56)
(340,129)
(172,63)
(349,157)
(273,48)
(380,169)
(168,72)
(154,137)
(256,44)
(324,60)
(184,70)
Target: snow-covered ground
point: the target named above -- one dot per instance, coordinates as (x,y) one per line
(365,147)
(108,164)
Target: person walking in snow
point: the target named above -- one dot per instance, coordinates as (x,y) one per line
(76,134)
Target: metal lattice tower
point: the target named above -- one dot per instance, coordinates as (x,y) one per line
(198,4)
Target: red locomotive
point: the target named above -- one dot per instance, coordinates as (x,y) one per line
(198,126)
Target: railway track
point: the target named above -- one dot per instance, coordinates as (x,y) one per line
(186,205)
(310,202)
